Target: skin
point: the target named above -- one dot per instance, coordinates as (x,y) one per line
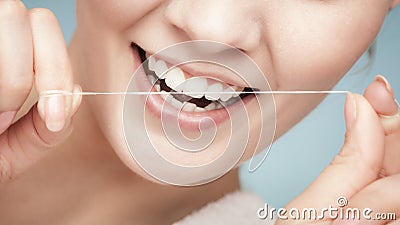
(291,41)
(286,52)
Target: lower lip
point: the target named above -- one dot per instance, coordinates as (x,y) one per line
(187,120)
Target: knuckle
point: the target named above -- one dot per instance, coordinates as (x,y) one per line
(342,159)
(10,85)
(350,148)
(348,155)
(13,92)
(42,14)
(57,75)
(12,10)
(391,124)
(6,171)
(351,157)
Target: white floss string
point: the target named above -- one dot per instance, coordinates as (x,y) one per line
(50,93)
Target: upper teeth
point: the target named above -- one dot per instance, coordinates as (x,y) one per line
(159,68)
(214,91)
(175,78)
(195,87)
(151,63)
(226,97)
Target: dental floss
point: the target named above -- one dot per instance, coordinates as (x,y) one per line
(50,93)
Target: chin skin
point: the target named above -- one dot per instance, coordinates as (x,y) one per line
(300,45)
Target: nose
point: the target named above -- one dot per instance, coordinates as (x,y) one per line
(232,22)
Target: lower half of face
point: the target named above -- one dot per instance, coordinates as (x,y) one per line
(298,45)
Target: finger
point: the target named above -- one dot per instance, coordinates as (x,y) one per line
(357,164)
(391,123)
(52,68)
(5,120)
(391,162)
(380,95)
(27,141)
(382,197)
(16,59)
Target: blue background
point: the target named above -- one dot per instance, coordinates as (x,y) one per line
(299,156)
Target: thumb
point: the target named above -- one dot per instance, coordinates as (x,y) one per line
(357,164)
(28,140)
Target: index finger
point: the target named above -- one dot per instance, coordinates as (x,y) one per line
(380,94)
(15,56)
(52,68)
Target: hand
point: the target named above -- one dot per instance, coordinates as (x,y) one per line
(33,55)
(367,170)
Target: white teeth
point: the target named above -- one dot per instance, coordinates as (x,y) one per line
(159,68)
(199,109)
(151,62)
(174,79)
(218,106)
(151,79)
(210,107)
(225,97)
(189,107)
(216,87)
(230,101)
(157,87)
(174,102)
(197,85)
(164,95)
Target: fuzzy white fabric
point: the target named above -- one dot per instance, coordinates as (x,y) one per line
(239,208)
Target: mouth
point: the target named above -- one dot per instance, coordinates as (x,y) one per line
(195,97)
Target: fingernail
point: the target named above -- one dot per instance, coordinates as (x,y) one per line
(76,99)
(55,113)
(6,119)
(351,110)
(381,79)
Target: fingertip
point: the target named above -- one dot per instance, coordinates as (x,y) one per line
(77,98)
(55,113)
(367,118)
(350,110)
(384,81)
(40,108)
(42,14)
(380,95)
(365,141)
(6,119)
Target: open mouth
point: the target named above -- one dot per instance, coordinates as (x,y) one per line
(193,94)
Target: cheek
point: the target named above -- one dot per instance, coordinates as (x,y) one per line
(116,14)
(319,42)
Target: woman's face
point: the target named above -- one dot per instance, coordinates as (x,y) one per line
(298,45)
